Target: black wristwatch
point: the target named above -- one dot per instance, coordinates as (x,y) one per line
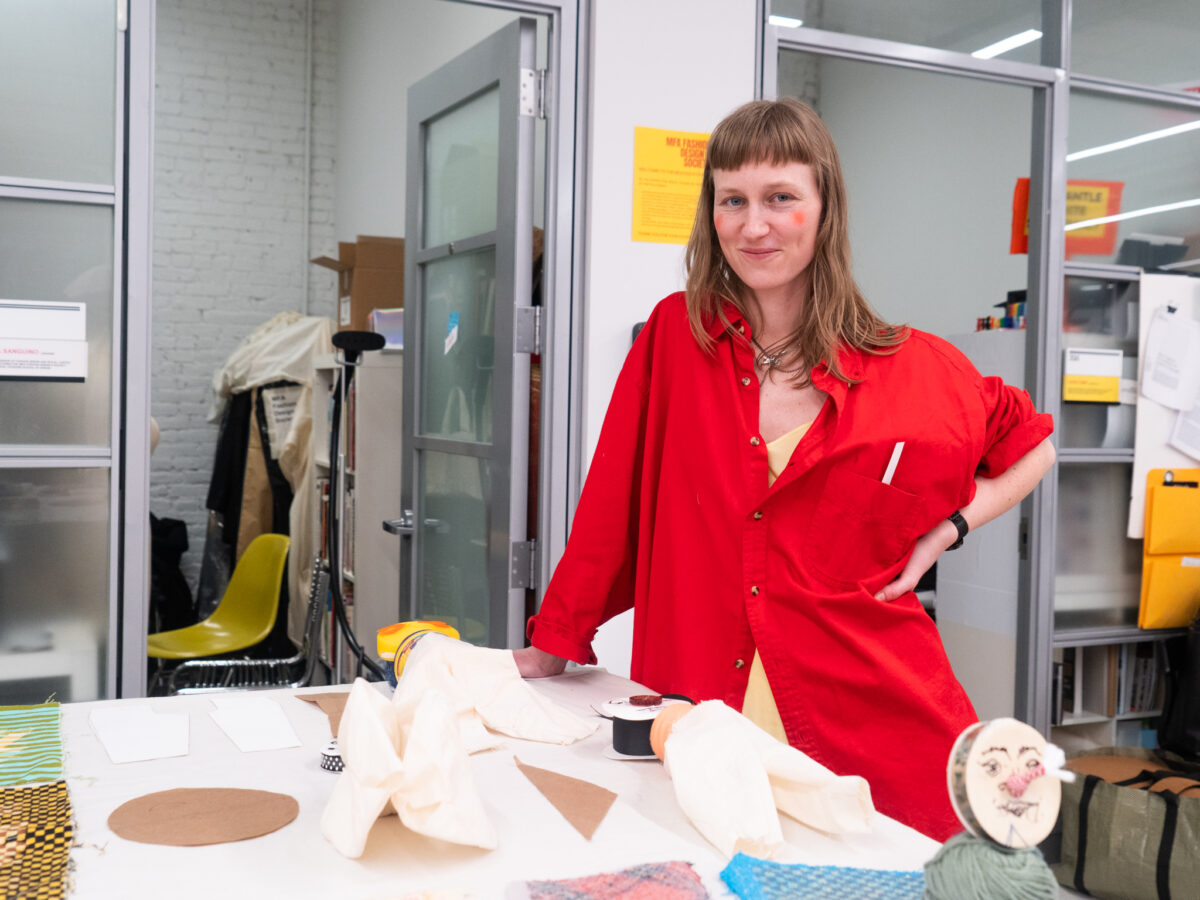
(961,524)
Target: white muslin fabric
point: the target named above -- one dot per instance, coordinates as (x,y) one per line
(485,689)
(732,779)
(412,752)
(413,760)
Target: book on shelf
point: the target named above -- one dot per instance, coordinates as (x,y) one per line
(1056,693)
(1112,685)
(348,532)
(323,501)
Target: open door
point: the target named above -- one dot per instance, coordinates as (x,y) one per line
(470,330)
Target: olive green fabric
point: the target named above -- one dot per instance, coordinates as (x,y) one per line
(1112,836)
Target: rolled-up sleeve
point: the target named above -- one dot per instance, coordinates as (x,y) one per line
(1014,427)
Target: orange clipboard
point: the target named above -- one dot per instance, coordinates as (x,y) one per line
(1171,549)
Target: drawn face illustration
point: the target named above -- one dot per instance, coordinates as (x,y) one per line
(1012,770)
(1010,795)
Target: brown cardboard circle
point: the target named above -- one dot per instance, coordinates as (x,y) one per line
(194,817)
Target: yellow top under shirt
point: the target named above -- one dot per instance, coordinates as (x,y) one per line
(759,703)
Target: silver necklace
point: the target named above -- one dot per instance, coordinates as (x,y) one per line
(770,359)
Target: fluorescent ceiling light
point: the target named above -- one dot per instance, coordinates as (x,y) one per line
(1134,141)
(785,21)
(1134,213)
(1009,43)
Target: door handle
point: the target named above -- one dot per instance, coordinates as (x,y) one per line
(405,527)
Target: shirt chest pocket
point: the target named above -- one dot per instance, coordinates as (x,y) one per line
(860,528)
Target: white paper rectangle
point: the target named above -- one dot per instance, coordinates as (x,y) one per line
(136,733)
(280,405)
(35,360)
(43,320)
(1172,370)
(254,723)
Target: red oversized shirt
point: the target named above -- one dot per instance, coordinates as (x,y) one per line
(677,521)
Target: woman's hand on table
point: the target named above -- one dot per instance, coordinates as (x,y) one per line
(535,663)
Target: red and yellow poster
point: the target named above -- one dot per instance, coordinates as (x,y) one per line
(667,170)
(1085,200)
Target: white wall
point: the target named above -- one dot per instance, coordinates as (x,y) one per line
(674,64)
(384,47)
(233,206)
(930,163)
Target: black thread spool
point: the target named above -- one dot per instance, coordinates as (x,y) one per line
(632,723)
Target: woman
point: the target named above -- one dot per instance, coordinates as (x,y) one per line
(777,469)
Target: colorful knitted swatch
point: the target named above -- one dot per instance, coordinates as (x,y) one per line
(653,881)
(758,879)
(35,825)
(30,744)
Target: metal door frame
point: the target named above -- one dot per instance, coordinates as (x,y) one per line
(1047,221)
(460,81)
(127,450)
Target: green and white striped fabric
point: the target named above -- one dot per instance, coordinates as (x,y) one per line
(30,744)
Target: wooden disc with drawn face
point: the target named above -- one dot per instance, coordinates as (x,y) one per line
(194,817)
(998,787)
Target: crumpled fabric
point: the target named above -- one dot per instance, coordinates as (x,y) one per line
(732,779)
(412,760)
(485,689)
(411,753)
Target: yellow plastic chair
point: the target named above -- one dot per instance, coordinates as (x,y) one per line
(246,613)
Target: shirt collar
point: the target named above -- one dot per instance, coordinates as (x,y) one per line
(850,360)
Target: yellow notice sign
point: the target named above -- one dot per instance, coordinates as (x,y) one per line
(667,169)
(1092,376)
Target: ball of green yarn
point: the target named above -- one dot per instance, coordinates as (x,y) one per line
(967,868)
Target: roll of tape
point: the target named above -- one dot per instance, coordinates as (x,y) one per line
(331,759)
(999,785)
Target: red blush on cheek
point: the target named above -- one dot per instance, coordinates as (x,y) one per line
(797,218)
(719,220)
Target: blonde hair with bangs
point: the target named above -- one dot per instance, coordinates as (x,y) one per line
(836,313)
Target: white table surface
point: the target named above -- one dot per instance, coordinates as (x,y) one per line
(645,823)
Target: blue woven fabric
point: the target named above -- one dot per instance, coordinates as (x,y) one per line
(30,744)
(759,879)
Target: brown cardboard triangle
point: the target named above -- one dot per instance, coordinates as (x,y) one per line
(582,803)
(332,703)
(194,817)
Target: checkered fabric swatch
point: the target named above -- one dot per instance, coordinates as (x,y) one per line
(30,744)
(35,825)
(758,879)
(653,881)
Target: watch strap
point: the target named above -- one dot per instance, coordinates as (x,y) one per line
(960,523)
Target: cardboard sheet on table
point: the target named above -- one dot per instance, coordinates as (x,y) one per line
(139,733)
(196,817)
(581,803)
(254,723)
(332,703)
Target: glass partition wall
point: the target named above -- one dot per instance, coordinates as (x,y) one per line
(59,215)
(940,108)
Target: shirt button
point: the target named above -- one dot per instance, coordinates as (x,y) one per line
(754,590)
(757,514)
(738,663)
(746,381)
(741,329)
(754,442)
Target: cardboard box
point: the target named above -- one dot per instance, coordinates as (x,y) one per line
(370,276)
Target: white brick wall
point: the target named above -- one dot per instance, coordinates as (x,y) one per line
(232,200)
